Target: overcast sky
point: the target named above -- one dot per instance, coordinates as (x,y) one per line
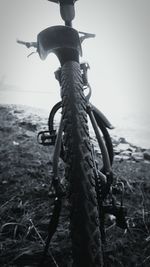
(119,56)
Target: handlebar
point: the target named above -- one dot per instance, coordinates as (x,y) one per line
(85,35)
(28,44)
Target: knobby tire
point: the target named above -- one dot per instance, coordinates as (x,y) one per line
(84,217)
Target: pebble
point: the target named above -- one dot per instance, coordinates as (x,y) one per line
(15,143)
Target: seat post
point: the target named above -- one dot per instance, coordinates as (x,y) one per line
(68,23)
(67,12)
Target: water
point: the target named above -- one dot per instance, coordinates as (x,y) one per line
(135,128)
(132,125)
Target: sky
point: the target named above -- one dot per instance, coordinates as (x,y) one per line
(119,56)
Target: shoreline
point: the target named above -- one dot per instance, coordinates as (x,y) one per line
(123,150)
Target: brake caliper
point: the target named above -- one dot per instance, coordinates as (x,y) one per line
(84,68)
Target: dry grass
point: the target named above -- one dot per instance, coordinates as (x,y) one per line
(25,209)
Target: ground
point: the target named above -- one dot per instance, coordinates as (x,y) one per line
(25,208)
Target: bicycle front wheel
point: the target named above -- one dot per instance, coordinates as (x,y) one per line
(84,217)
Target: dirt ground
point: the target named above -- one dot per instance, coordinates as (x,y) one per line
(25,208)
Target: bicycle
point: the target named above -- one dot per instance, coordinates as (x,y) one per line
(88,183)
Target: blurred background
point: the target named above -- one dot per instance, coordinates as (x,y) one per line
(119,58)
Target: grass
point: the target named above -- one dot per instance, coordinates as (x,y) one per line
(25,209)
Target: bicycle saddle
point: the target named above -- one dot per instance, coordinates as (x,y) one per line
(67,10)
(63,1)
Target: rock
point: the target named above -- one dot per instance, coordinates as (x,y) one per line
(137,156)
(126,153)
(146,154)
(121,158)
(123,146)
(117,150)
(122,140)
(118,158)
(125,157)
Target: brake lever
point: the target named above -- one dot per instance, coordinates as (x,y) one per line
(28,45)
(32,53)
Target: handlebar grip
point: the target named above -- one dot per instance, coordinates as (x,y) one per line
(20,42)
(28,44)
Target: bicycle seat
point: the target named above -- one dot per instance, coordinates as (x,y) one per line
(63,1)
(55,1)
